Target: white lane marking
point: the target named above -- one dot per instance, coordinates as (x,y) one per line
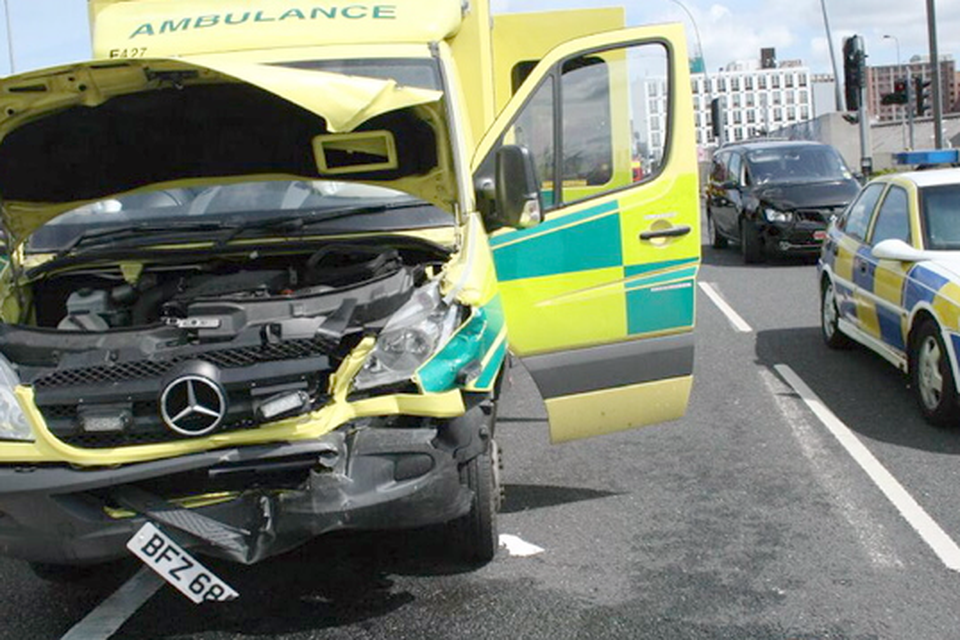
(931,533)
(738,323)
(109,616)
(518,547)
(830,475)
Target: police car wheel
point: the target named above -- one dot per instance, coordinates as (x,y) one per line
(717,241)
(830,317)
(932,376)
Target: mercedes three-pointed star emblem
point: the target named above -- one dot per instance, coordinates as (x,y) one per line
(193,405)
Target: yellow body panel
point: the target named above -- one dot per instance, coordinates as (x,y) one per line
(590,414)
(527,37)
(947,305)
(572,308)
(888,281)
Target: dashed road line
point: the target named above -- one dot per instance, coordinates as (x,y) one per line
(738,323)
(109,616)
(931,532)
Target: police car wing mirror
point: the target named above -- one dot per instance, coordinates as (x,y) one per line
(897,250)
(516,187)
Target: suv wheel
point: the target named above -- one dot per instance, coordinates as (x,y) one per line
(750,245)
(717,241)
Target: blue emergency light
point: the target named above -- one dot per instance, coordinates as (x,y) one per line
(928,156)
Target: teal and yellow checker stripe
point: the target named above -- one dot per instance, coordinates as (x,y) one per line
(564,282)
(481,343)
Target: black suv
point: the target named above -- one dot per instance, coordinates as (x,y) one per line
(776,196)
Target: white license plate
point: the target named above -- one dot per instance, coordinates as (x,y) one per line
(178,567)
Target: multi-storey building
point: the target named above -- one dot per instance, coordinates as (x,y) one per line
(881,80)
(758,96)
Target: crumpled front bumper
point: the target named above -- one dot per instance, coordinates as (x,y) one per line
(369,478)
(800,237)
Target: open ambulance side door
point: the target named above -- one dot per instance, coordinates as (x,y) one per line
(599,296)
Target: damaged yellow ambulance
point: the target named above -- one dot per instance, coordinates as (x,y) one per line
(267,260)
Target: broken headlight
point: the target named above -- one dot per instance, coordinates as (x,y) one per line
(409,339)
(13,422)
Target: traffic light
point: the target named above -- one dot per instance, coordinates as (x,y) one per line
(899,95)
(716,118)
(920,92)
(853,71)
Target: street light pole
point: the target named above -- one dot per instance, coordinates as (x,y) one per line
(6,15)
(935,79)
(903,133)
(706,76)
(833,58)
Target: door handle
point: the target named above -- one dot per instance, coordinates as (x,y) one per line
(671,232)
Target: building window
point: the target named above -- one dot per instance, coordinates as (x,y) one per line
(791,113)
(721,84)
(788,80)
(749,100)
(802,80)
(776,97)
(735,84)
(804,113)
(762,82)
(778,114)
(775,81)
(751,116)
(748,83)
(803,96)
(790,97)
(736,99)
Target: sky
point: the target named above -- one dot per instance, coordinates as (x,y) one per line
(50,32)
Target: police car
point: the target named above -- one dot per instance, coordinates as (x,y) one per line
(889,276)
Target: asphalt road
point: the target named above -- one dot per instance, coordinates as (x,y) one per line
(747,519)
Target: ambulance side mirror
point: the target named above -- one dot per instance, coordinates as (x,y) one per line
(517,187)
(508,190)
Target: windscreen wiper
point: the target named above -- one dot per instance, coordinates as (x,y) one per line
(156,233)
(297,222)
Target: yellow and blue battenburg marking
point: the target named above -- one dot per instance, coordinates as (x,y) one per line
(903,289)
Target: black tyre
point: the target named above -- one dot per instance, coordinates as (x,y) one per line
(932,376)
(830,317)
(475,534)
(717,241)
(750,245)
